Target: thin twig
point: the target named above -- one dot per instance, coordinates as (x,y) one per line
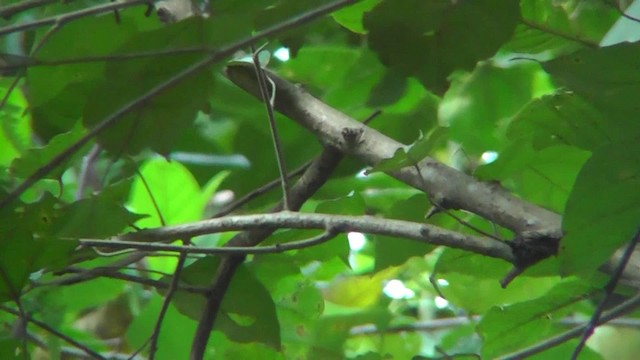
(15,295)
(147,239)
(267,96)
(566,36)
(608,292)
(147,188)
(64,18)
(622,13)
(87,169)
(472,227)
(617,311)
(313,178)
(153,347)
(225,250)
(229,208)
(110,273)
(169,83)
(55,332)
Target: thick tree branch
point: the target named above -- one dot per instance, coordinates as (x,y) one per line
(538,229)
(446,186)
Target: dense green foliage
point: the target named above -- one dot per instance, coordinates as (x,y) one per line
(463,81)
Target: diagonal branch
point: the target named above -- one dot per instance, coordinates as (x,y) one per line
(538,230)
(314,177)
(446,186)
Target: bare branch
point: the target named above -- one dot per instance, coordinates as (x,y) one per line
(366,224)
(445,185)
(56,333)
(314,177)
(617,311)
(609,290)
(267,93)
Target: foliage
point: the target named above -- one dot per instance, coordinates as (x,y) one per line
(118,123)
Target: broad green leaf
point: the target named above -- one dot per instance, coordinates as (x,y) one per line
(170,187)
(392,251)
(563,118)
(176,333)
(351,16)
(477,294)
(543,177)
(463,262)
(284,10)
(603,209)
(33,159)
(435,35)
(10,349)
(411,155)
(247,313)
(95,217)
(57,93)
(15,132)
(28,245)
(358,291)
(157,121)
(477,106)
(551,28)
(331,331)
(507,328)
(608,78)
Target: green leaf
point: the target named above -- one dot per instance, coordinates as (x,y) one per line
(351,16)
(247,313)
(176,333)
(563,118)
(611,91)
(27,245)
(392,251)
(543,177)
(34,159)
(507,328)
(603,209)
(358,291)
(408,34)
(95,217)
(15,132)
(57,93)
(476,106)
(156,122)
(169,186)
(413,153)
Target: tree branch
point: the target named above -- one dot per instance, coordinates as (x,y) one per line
(617,311)
(448,187)
(314,177)
(146,239)
(538,229)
